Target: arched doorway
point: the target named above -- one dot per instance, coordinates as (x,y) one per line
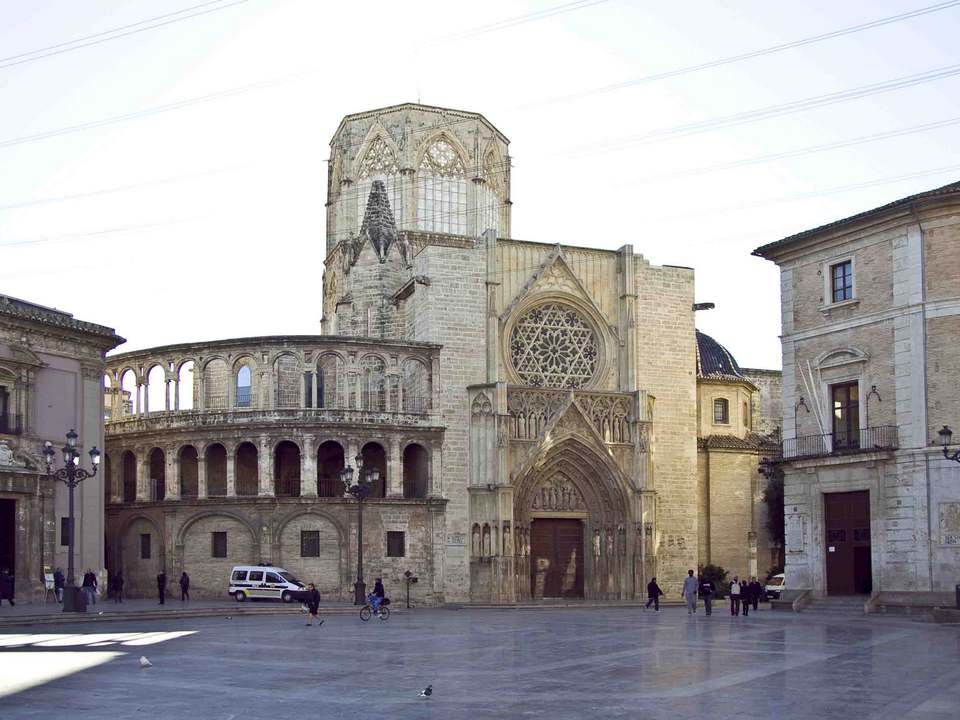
(574,508)
(286,469)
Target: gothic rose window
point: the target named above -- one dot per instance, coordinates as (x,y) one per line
(553,346)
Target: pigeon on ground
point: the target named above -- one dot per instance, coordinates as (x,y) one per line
(100,613)
(144,663)
(426,692)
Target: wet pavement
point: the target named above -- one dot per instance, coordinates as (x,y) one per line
(558,663)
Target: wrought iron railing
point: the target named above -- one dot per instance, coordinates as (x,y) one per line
(883,437)
(10,425)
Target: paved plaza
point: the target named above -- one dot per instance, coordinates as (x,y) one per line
(550,663)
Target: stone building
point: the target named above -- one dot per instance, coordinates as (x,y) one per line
(871,326)
(533,407)
(50,370)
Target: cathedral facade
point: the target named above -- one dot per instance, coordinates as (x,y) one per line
(535,411)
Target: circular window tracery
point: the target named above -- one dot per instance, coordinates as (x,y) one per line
(553,346)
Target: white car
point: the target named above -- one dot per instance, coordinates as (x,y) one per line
(775,586)
(256,582)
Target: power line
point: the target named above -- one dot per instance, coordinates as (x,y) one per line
(771,111)
(748,55)
(799,152)
(131,29)
(518,20)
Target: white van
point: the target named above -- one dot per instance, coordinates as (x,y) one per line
(263,581)
(775,586)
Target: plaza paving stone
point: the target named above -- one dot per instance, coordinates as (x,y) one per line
(557,663)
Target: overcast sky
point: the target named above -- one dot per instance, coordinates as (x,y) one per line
(205,220)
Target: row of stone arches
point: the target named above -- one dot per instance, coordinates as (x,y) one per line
(214,471)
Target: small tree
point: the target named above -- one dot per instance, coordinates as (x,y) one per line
(718,576)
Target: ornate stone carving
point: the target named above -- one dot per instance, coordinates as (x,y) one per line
(6,456)
(557,494)
(532,410)
(609,414)
(481,405)
(553,346)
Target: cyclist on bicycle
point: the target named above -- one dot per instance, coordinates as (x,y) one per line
(376,597)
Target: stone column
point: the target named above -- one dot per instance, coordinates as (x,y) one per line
(314,390)
(265,461)
(166,395)
(143,476)
(201,476)
(231,472)
(394,469)
(116,482)
(172,472)
(176,394)
(353,447)
(436,468)
(308,468)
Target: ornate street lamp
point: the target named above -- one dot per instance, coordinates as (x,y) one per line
(366,479)
(945,435)
(71,474)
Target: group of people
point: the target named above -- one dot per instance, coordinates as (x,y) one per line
(162,586)
(743,594)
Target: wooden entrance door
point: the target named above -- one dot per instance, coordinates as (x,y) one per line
(556,558)
(847,524)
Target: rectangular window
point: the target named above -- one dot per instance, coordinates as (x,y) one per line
(841,281)
(308,388)
(309,543)
(721,411)
(239,576)
(218,544)
(256,576)
(243,395)
(144,546)
(846,415)
(396,544)
(65,531)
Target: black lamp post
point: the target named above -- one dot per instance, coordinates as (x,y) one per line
(71,474)
(945,435)
(366,479)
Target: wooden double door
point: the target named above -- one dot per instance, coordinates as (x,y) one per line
(847,526)
(556,558)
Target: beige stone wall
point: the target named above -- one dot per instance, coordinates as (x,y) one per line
(739,403)
(666,368)
(732,510)
(942,259)
(209,576)
(943,374)
(767,403)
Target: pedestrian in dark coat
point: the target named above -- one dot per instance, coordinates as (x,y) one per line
(653,595)
(184,587)
(58,583)
(6,587)
(118,587)
(312,601)
(162,585)
(90,587)
(756,592)
(745,595)
(706,592)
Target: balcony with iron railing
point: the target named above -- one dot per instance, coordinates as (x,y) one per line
(864,440)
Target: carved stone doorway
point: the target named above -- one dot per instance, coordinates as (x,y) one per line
(556,558)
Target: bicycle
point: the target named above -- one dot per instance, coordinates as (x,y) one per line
(366,612)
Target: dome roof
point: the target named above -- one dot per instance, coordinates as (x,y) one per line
(715,361)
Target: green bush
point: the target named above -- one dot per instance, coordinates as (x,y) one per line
(718,576)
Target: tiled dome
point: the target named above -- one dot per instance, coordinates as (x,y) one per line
(714,360)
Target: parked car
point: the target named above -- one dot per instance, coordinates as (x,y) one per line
(261,582)
(775,586)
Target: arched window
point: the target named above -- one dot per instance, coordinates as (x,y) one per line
(330,462)
(158,474)
(416,471)
(331,382)
(288,381)
(216,470)
(374,456)
(185,387)
(379,163)
(286,470)
(442,190)
(721,411)
(216,376)
(128,393)
(188,471)
(244,386)
(373,384)
(416,387)
(246,469)
(156,391)
(491,194)
(129,469)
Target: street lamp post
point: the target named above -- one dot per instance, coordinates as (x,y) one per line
(366,479)
(71,474)
(945,435)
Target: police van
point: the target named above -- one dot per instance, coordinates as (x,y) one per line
(256,582)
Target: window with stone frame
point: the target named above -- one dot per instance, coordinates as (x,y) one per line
(721,411)
(442,189)
(144,546)
(491,194)
(218,544)
(244,386)
(396,543)
(309,543)
(841,281)
(380,163)
(552,345)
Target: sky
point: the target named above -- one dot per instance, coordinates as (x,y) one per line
(168,178)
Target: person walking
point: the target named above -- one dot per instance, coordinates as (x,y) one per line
(756,592)
(6,587)
(690,587)
(161,585)
(706,593)
(653,595)
(745,593)
(118,587)
(312,601)
(735,596)
(184,587)
(58,583)
(89,586)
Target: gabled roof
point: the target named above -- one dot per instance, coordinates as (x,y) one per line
(763,251)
